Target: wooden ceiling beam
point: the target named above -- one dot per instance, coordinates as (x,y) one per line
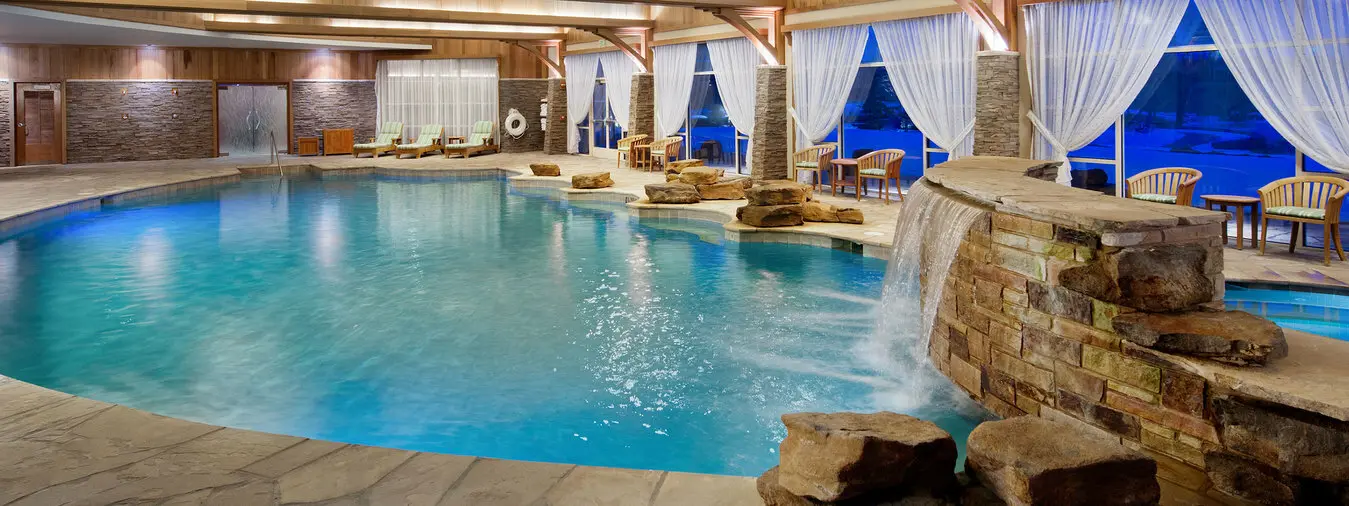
(360,31)
(317,10)
(770,46)
(556,67)
(638,56)
(993,31)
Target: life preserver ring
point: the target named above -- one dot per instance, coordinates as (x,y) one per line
(516,123)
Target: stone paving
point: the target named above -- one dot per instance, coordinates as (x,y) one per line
(60,449)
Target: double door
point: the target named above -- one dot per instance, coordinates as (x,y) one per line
(250,117)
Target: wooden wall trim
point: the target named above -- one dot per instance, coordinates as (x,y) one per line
(862,19)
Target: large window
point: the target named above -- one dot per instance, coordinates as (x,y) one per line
(1192,113)
(604,128)
(873,119)
(708,132)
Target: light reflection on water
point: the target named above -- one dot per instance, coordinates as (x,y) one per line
(454,317)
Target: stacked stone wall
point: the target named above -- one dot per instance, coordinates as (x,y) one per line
(319,105)
(6,123)
(642,111)
(769,155)
(524,95)
(1018,330)
(997,110)
(147,122)
(555,139)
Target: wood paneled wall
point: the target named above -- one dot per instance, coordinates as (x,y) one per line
(43,63)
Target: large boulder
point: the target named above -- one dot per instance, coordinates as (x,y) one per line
(770,216)
(1297,442)
(1233,337)
(820,212)
(745,181)
(1031,460)
(698,175)
(778,194)
(591,180)
(1155,278)
(545,169)
(850,216)
(672,193)
(731,190)
(678,166)
(837,456)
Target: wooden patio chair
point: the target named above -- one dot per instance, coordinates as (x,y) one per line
(1167,185)
(625,148)
(814,159)
(480,141)
(385,141)
(1306,199)
(665,150)
(882,164)
(427,141)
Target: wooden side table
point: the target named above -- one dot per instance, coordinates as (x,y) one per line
(338,141)
(639,156)
(1239,204)
(307,146)
(840,176)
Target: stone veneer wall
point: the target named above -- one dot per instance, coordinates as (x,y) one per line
(6,123)
(1017,339)
(642,111)
(525,95)
(555,139)
(997,104)
(769,154)
(159,125)
(318,105)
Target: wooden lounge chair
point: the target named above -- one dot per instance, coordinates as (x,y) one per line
(1306,199)
(814,159)
(665,150)
(427,141)
(1167,185)
(882,164)
(387,140)
(480,141)
(625,148)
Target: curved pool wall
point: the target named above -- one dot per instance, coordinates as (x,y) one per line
(649,343)
(1023,338)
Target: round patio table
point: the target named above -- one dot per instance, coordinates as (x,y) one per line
(1238,203)
(840,175)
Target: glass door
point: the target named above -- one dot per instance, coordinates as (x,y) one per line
(250,116)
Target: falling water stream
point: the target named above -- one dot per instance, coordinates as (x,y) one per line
(930,229)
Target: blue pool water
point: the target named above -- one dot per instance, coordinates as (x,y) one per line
(454,316)
(1314,310)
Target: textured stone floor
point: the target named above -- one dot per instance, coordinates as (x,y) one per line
(59,449)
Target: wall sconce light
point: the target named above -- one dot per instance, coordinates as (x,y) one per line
(175,115)
(126,116)
(174,91)
(124,91)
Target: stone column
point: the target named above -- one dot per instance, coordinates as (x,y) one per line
(523,95)
(6,124)
(769,156)
(642,110)
(997,113)
(555,139)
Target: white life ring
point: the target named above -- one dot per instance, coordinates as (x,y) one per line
(516,123)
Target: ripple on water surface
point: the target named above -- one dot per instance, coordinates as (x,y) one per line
(450,316)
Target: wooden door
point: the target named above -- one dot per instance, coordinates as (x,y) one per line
(38,124)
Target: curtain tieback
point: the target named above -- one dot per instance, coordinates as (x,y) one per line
(964,132)
(1060,151)
(1065,176)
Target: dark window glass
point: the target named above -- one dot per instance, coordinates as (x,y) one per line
(742,161)
(1192,31)
(583,140)
(1103,148)
(1094,176)
(936,158)
(599,116)
(711,136)
(874,119)
(872,54)
(703,61)
(1311,165)
(1193,114)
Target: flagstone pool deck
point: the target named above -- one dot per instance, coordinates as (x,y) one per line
(61,449)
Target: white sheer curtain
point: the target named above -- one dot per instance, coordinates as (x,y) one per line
(931,65)
(618,70)
(735,64)
(1291,57)
(1087,60)
(454,93)
(824,66)
(581,70)
(674,66)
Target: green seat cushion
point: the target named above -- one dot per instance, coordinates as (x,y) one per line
(658,152)
(1155,197)
(373,145)
(872,172)
(1298,212)
(808,165)
(623,149)
(458,145)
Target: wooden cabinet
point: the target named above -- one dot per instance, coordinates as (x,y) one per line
(307,146)
(338,141)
